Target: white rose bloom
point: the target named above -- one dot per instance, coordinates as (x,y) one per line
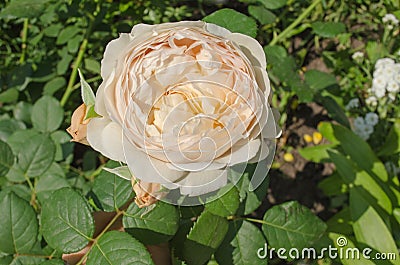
(392,87)
(371,118)
(181,103)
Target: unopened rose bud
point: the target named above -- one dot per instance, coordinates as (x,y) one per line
(146,193)
(78,128)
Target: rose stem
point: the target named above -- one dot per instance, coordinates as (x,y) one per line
(78,60)
(294,24)
(24,38)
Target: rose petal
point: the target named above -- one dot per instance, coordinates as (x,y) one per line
(198,183)
(217,30)
(263,80)
(251,48)
(272,129)
(263,151)
(147,168)
(112,52)
(184,24)
(200,166)
(240,154)
(105,136)
(140,29)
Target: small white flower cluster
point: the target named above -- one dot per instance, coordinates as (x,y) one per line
(386,79)
(358,56)
(364,127)
(352,104)
(390,20)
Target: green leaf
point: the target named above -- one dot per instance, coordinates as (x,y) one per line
(326,129)
(111,191)
(273,4)
(209,230)
(88,96)
(118,248)
(53,262)
(34,158)
(21,190)
(6,260)
(63,144)
(318,80)
(263,15)
(74,43)
(376,50)
(334,110)
(351,175)
(6,158)
(53,30)
(66,34)
(328,29)
(348,248)
(8,127)
(22,112)
(16,140)
(275,54)
(291,225)
(91,113)
(19,225)
(392,142)
(54,85)
(369,228)
(48,183)
(23,8)
(233,21)
(332,185)
(396,214)
(250,200)
(92,66)
(47,114)
(225,202)
(122,172)
(63,64)
(20,77)
(153,224)
(240,245)
(66,222)
(204,238)
(27,260)
(341,222)
(9,96)
(360,152)
(317,153)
